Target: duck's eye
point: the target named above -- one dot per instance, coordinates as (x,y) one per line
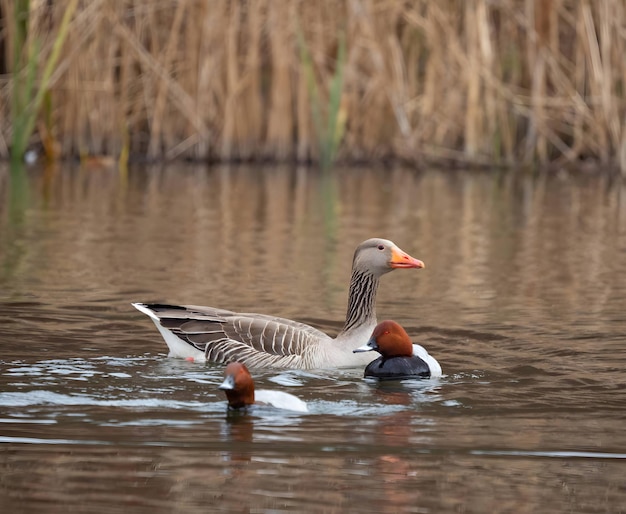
(381,247)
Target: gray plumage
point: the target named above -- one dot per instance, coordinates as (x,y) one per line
(259,340)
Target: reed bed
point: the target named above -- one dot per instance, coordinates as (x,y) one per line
(512,82)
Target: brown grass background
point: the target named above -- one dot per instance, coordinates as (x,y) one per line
(513,82)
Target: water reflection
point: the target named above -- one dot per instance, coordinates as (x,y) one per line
(494,246)
(521,301)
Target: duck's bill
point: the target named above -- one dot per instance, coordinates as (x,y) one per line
(365,348)
(401,259)
(228,384)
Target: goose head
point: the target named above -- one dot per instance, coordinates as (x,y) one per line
(380,256)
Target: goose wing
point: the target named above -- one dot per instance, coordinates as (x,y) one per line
(257,340)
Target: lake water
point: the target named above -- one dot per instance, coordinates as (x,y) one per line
(522,301)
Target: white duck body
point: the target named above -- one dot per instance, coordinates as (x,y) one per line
(280,400)
(433,364)
(259,340)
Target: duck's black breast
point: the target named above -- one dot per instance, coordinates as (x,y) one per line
(395,368)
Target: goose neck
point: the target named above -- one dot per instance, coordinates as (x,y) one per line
(361,300)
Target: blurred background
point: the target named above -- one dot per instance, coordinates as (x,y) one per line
(510,82)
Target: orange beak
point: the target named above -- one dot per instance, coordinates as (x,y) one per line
(400,259)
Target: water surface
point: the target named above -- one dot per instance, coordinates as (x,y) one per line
(522,301)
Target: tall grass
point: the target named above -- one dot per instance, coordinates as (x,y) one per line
(27,100)
(329,123)
(514,82)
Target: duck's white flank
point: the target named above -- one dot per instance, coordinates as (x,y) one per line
(280,400)
(435,367)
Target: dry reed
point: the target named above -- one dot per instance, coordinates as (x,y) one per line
(511,82)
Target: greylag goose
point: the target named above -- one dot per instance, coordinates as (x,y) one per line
(399,357)
(258,340)
(239,388)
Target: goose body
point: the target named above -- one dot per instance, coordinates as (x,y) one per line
(240,393)
(259,340)
(399,357)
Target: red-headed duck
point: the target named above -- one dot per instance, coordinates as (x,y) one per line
(218,335)
(399,357)
(239,388)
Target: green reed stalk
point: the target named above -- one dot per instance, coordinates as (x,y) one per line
(26,104)
(329,134)
(22,81)
(336,122)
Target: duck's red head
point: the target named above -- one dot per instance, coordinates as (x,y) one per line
(238,385)
(391,340)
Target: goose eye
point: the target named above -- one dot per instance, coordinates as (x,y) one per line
(381,247)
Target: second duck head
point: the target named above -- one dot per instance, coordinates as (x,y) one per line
(389,339)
